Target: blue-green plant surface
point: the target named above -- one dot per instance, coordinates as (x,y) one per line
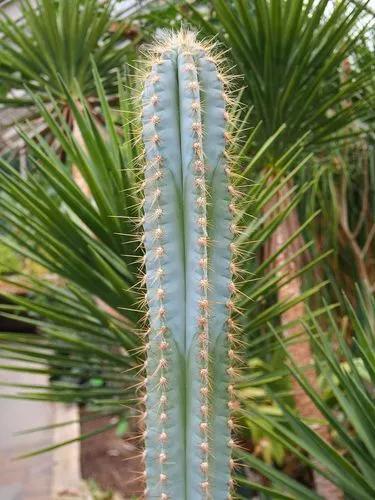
(188,232)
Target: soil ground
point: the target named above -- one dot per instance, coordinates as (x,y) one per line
(114,463)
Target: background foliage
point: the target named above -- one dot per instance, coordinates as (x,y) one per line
(307,110)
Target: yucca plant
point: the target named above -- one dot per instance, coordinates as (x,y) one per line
(55,41)
(347,373)
(78,242)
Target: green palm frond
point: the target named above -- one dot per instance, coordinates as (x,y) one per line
(54,40)
(349,372)
(87,305)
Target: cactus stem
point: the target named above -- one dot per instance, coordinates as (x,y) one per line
(188,271)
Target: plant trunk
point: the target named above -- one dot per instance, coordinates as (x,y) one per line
(76,133)
(300,350)
(76,174)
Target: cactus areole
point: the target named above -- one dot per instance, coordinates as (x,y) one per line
(188,244)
